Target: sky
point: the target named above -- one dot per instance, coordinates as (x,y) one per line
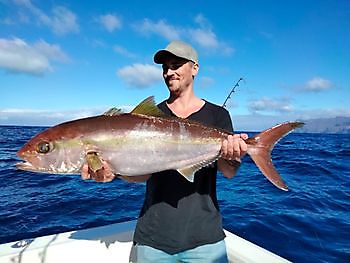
(63,60)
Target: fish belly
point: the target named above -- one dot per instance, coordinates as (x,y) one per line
(139,156)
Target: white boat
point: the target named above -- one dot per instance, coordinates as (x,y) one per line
(110,243)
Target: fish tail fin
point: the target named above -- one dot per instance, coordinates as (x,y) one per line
(261,145)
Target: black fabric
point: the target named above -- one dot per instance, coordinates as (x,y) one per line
(178,215)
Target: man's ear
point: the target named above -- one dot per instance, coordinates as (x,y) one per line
(195,69)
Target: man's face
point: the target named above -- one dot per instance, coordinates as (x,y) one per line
(178,73)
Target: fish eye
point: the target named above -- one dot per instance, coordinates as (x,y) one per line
(43,147)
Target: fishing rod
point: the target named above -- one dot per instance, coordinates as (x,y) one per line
(232,91)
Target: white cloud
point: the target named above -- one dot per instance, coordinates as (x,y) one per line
(36,117)
(161,28)
(62,21)
(317,84)
(202,34)
(123,51)
(208,40)
(265,104)
(205,38)
(202,21)
(51,51)
(43,117)
(140,75)
(110,22)
(18,56)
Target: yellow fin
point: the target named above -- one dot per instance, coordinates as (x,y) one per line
(188,173)
(148,107)
(94,161)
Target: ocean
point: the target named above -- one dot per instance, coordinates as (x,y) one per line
(309,223)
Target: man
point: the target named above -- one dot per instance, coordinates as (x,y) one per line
(180,221)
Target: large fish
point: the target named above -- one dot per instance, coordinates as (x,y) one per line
(141,142)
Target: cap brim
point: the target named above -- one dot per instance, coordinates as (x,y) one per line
(160,56)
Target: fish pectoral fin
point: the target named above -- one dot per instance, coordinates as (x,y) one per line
(94,161)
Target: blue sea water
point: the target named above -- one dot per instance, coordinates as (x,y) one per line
(309,223)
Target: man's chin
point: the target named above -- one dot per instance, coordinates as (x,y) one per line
(172,86)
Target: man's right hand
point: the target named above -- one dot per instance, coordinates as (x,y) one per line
(104,174)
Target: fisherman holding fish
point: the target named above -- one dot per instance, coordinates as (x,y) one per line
(176,147)
(180,220)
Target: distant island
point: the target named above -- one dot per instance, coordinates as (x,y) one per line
(340,125)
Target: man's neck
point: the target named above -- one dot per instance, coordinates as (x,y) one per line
(184,104)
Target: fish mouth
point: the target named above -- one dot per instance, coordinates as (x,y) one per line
(26,166)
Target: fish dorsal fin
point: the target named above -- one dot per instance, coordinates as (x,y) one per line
(113,112)
(148,107)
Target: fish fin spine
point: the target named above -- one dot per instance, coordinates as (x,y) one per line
(113,112)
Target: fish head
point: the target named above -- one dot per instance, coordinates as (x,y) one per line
(52,151)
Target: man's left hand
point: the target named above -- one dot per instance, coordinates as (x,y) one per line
(234,147)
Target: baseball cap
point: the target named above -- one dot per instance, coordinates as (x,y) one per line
(178,49)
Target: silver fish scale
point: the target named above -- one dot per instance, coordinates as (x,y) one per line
(146,150)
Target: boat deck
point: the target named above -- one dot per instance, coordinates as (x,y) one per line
(108,244)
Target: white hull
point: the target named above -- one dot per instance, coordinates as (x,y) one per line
(111,243)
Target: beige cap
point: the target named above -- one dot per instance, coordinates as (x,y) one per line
(179,49)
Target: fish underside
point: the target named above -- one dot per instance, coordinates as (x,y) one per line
(141,142)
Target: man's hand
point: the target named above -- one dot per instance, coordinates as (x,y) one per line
(104,174)
(234,147)
(232,150)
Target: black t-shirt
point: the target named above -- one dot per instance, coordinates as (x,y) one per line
(178,215)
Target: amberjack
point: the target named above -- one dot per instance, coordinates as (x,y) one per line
(142,142)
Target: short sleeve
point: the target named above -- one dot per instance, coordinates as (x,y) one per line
(224,120)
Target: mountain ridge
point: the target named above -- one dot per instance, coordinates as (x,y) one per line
(337,125)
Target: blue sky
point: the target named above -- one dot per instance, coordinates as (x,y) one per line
(62,60)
